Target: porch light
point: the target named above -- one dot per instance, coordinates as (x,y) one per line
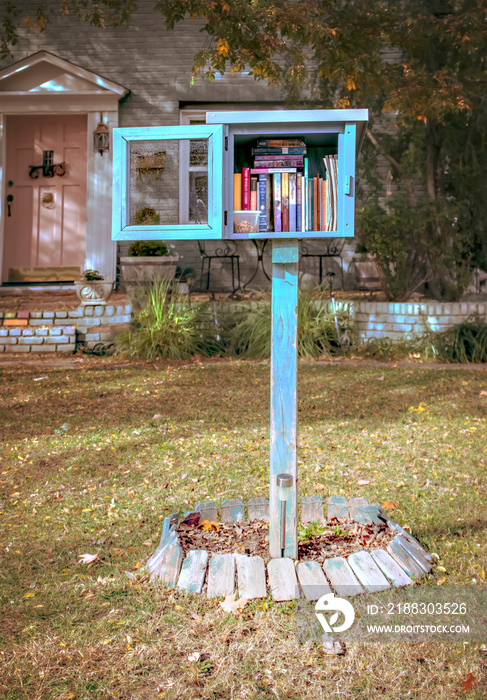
(284,483)
(101,138)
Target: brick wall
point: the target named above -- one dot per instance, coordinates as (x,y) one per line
(61,331)
(401,321)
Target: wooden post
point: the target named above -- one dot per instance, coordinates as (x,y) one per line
(284,404)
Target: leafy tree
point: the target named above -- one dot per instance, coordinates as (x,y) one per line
(420,68)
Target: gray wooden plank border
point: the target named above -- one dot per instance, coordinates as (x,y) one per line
(357,511)
(221,576)
(208,511)
(251,578)
(367,572)
(416,552)
(341,577)
(390,568)
(258,509)
(337,507)
(170,539)
(312,510)
(233,511)
(167,571)
(405,561)
(282,579)
(193,571)
(312,580)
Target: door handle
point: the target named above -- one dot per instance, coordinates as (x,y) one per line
(10,199)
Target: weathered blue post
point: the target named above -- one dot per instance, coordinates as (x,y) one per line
(284,402)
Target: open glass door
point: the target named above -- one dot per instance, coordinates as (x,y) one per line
(168,183)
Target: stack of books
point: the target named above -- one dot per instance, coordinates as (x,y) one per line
(280,187)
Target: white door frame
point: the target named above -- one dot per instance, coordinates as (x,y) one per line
(86,94)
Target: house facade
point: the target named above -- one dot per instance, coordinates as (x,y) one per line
(59,92)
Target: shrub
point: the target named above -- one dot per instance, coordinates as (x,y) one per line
(147,249)
(323,330)
(167,325)
(465,342)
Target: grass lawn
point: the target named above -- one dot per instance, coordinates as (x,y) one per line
(94,458)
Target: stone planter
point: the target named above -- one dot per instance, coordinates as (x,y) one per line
(94,291)
(145,269)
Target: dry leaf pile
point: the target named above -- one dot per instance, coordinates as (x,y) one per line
(338,539)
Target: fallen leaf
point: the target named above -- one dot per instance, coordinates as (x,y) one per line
(87,558)
(363,482)
(468,683)
(207,525)
(29,595)
(442,569)
(441,581)
(390,505)
(194,657)
(231,605)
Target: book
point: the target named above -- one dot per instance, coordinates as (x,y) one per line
(272,156)
(263,143)
(285,201)
(280,163)
(292,202)
(253,193)
(258,171)
(245,188)
(262,196)
(276,191)
(269,202)
(331,165)
(237,191)
(305,196)
(284,150)
(310,205)
(299,202)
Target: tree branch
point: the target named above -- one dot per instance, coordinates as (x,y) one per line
(397,166)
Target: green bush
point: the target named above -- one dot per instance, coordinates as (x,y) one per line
(167,325)
(466,342)
(321,332)
(147,249)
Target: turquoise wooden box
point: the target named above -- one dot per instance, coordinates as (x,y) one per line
(173,183)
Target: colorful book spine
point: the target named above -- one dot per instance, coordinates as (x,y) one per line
(279,150)
(299,202)
(292,202)
(245,189)
(258,171)
(264,143)
(277,202)
(269,202)
(316,181)
(272,162)
(285,201)
(305,196)
(262,202)
(253,193)
(237,191)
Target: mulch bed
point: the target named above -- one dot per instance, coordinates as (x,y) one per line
(339,539)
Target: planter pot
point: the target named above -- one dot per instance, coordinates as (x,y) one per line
(145,269)
(94,292)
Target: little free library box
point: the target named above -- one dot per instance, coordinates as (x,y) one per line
(280,175)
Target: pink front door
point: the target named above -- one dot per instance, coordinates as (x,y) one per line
(46,217)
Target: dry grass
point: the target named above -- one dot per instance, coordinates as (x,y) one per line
(94,458)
